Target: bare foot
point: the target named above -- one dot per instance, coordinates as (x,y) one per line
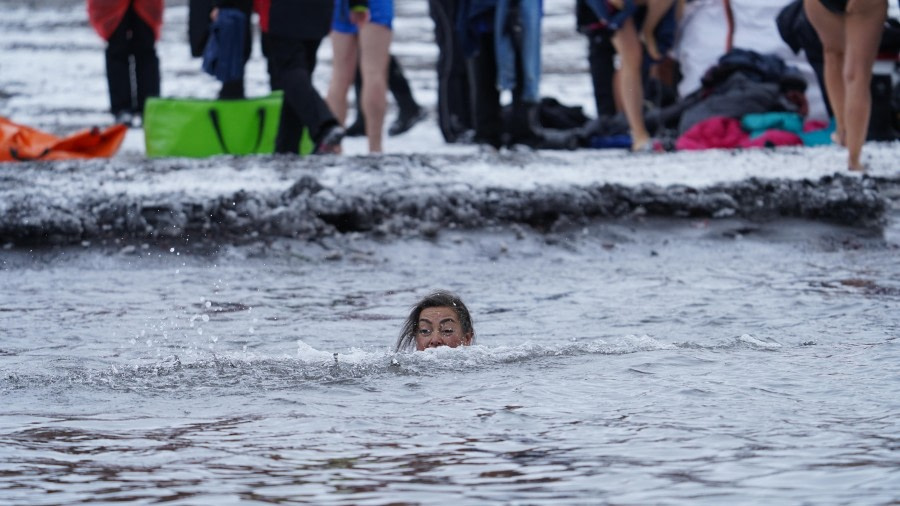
(650,43)
(642,146)
(837,138)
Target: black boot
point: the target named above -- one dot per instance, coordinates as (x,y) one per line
(358,128)
(406,120)
(526,126)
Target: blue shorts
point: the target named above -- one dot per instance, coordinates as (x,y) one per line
(381,12)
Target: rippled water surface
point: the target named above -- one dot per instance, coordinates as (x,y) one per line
(666,362)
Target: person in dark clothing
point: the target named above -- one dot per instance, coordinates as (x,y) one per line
(454,103)
(601,58)
(502,39)
(131,29)
(295,31)
(410,112)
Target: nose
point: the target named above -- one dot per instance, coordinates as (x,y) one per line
(436,341)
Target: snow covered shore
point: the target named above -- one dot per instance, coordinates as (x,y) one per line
(52,77)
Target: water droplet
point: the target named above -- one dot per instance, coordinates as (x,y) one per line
(200,331)
(171,250)
(251,331)
(208,303)
(205,317)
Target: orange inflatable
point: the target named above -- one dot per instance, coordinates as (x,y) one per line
(20,143)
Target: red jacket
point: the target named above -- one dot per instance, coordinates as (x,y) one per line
(105,15)
(262,8)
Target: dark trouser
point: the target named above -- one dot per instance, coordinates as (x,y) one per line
(274,77)
(399,87)
(454,84)
(131,58)
(601,54)
(294,61)
(488,117)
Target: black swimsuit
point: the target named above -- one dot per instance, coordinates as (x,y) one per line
(835,6)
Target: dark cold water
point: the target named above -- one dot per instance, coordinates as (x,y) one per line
(647,361)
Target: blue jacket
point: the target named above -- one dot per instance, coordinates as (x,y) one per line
(224,53)
(474,18)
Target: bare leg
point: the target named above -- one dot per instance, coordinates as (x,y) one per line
(343,73)
(656,9)
(830,28)
(863,24)
(628,45)
(375,42)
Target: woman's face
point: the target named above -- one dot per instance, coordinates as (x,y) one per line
(439,326)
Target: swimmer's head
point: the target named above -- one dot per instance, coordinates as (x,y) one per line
(439,319)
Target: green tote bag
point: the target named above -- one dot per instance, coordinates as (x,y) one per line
(199,128)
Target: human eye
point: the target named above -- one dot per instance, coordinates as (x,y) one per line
(447,332)
(424,332)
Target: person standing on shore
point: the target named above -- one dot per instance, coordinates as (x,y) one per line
(632,39)
(850,31)
(502,39)
(361,35)
(295,31)
(454,102)
(409,112)
(131,29)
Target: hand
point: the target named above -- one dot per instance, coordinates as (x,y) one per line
(213,14)
(359,17)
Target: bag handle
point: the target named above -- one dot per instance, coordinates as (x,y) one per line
(217,126)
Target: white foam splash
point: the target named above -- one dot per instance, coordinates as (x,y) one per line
(758,343)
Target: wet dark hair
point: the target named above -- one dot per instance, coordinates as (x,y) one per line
(440,298)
